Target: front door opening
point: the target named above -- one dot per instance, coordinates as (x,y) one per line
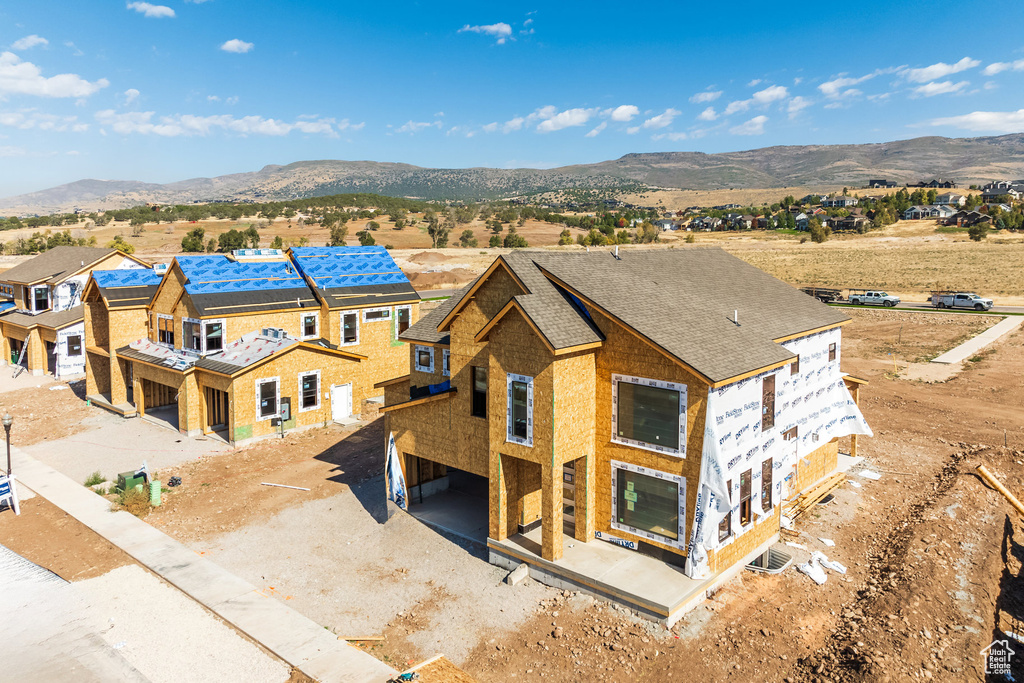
(216,410)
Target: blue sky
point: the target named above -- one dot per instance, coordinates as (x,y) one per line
(172,89)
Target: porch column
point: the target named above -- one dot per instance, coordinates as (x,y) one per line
(189,406)
(551,512)
(853,437)
(118,388)
(36,352)
(503,485)
(585,508)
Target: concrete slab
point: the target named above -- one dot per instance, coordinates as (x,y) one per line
(456,513)
(291,636)
(973,346)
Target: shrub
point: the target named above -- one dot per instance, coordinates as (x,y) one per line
(95,478)
(135,501)
(690,239)
(978,232)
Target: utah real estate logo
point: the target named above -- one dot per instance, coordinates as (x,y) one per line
(997,658)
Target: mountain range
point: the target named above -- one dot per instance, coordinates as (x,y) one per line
(965,160)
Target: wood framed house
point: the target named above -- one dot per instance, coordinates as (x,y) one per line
(230,343)
(41,314)
(683,394)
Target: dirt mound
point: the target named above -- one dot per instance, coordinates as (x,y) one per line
(428,258)
(440,279)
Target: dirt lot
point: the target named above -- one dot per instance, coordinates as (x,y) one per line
(912,337)
(40,411)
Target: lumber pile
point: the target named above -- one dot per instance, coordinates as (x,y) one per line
(805,501)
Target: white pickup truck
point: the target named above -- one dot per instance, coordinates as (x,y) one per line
(961,300)
(874,297)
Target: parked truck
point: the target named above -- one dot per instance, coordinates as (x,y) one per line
(825,295)
(960,300)
(873,297)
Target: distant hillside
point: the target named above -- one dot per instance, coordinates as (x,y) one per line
(965,160)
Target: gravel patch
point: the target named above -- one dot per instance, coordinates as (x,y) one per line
(333,561)
(170,638)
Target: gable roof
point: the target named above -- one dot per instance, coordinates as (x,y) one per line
(218,285)
(51,319)
(426,328)
(354,276)
(680,300)
(127,287)
(55,264)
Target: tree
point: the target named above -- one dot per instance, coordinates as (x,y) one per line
(211,246)
(231,240)
(495,241)
(338,234)
(122,246)
(819,232)
(193,241)
(468,239)
(373,225)
(399,223)
(365,238)
(252,236)
(978,231)
(647,233)
(564,237)
(278,243)
(439,231)
(495,226)
(513,240)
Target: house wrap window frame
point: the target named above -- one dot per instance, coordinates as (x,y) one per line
(766,486)
(620,498)
(446,362)
(417,357)
(192,335)
(219,335)
(165,329)
(617,382)
(303,392)
(304,318)
(74,342)
(376,315)
(35,299)
(260,413)
(401,319)
(354,316)
(511,382)
(478,405)
(767,402)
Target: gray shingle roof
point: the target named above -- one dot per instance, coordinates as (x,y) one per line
(54,265)
(51,319)
(425,329)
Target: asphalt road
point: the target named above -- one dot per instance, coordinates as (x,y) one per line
(922,305)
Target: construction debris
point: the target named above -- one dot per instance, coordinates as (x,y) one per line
(793,509)
(517,575)
(998,486)
(284,486)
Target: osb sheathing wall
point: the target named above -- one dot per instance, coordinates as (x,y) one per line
(754,535)
(386,356)
(419,378)
(625,353)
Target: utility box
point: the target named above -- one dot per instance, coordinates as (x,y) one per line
(286,408)
(129,480)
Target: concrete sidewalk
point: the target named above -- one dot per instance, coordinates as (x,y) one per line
(297,640)
(972,346)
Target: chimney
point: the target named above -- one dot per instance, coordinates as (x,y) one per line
(616,251)
(735,316)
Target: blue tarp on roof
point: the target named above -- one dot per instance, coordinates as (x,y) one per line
(6,306)
(128,277)
(342,267)
(215,274)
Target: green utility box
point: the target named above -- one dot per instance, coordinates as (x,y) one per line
(129,480)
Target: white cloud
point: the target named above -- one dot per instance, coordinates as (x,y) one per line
(633,130)
(708,114)
(416,126)
(354,126)
(597,130)
(661,120)
(513,124)
(939,88)
(130,95)
(490,127)
(152,11)
(237,46)
(754,126)
(196,2)
(675,137)
(439,115)
(212,98)
(565,119)
(187,125)
(756,81)
(24,78)
(29,42)
(839,87)
(939,70)
(501,31)
(8,151)
(706,96)
(625,112)
(999,67)
(985,121)
(772,93)
(796,105)
(77,52)
(32,120)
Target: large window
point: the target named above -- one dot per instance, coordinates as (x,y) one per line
(520,410)
(649,503)
(214,333)
(165,329)
(375,314)
(767,403)
(745,506)
(309,390)
(649,414)
(423,358)
(266,398)
(349,328)
(480,392)
(446,367)
(831,352)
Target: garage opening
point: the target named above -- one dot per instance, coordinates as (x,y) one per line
(449,499)
(159,403)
